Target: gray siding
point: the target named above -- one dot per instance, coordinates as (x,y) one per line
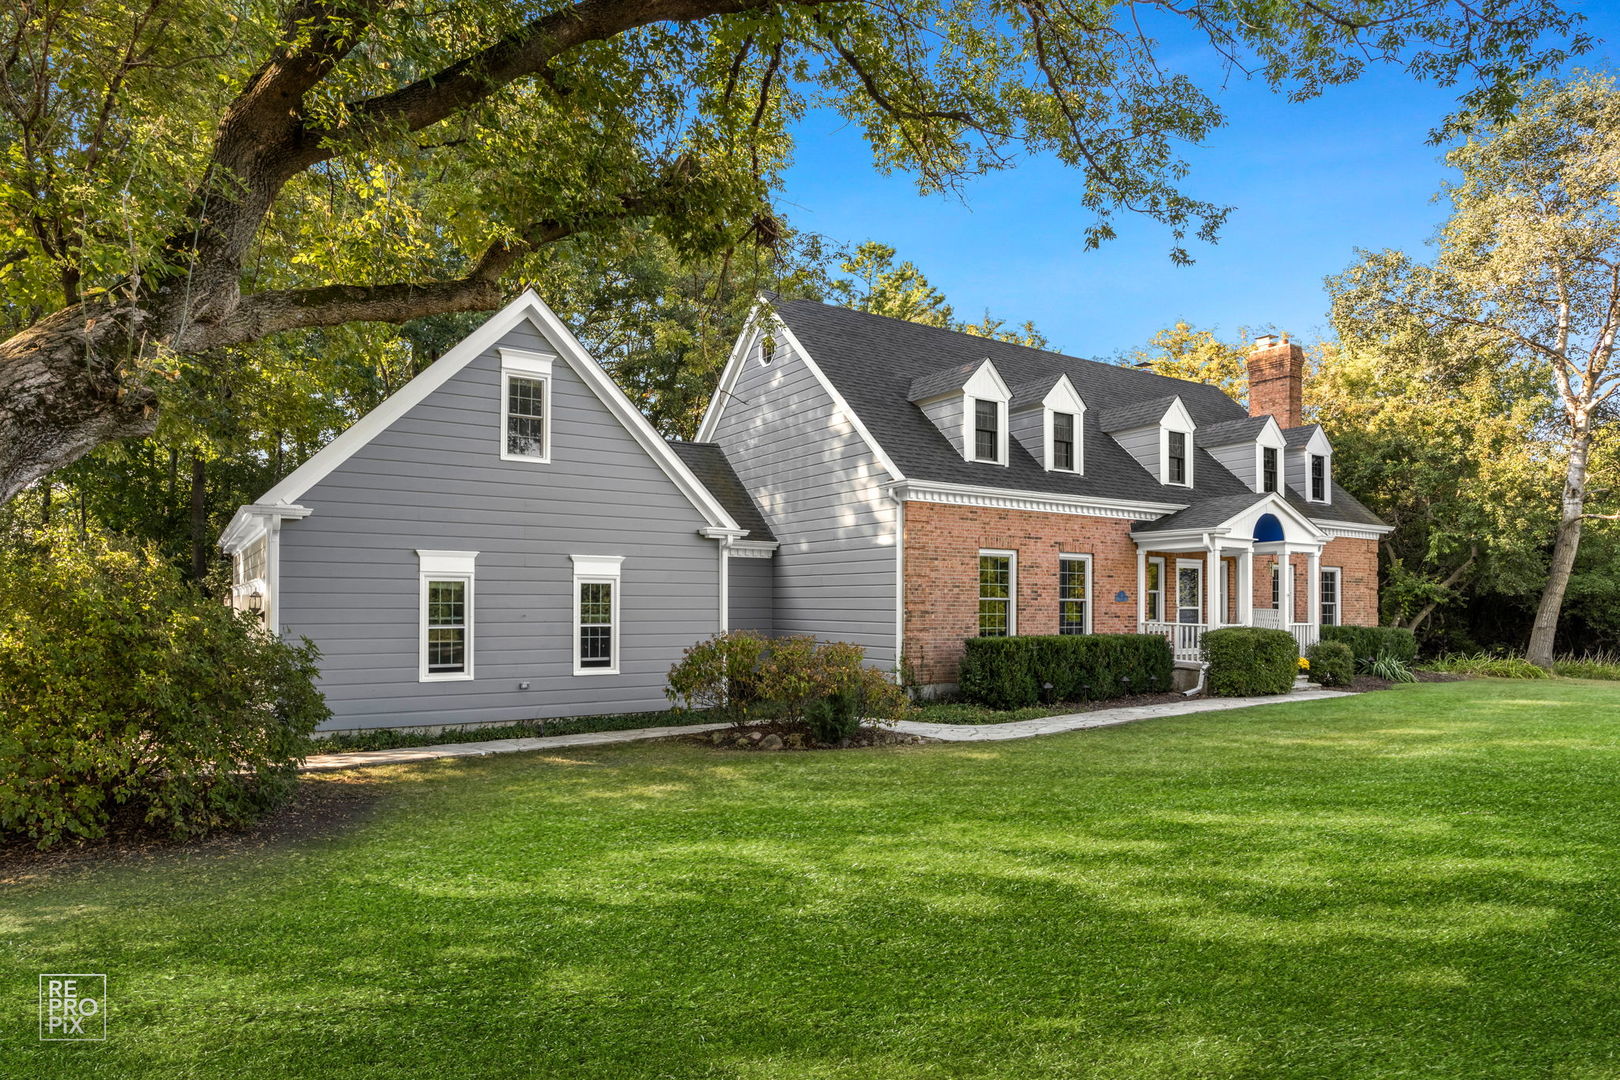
(434,479)
(1239,461)
(751,588)
(1028,427)
(946,413)
(1143,444)
(822,490)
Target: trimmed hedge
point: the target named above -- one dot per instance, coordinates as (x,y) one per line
(1370,642)
(1247,660)
(1332,663)
(1013,672)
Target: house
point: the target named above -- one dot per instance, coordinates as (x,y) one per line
(507,538)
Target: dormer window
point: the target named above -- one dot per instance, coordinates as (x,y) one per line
(1319,478)
(1270,468)
(1063,426)
(986,430)
(1175,461)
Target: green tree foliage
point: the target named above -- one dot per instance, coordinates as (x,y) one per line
(903,292)
(1528,271)
(1183,352)
(123,687)
(185,179)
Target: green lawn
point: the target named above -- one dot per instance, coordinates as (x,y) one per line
(1418,883)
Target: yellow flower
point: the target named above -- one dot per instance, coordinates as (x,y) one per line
(1304,664)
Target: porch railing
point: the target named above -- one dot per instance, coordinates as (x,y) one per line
(1186,639)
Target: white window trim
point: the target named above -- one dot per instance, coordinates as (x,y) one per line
(1327,479)
(597,570)
(1164,456)
(970,430)
(1260,469)
(526,365)
(1075,557)
(1051,441)
(1012,589)
(1159,561)
(1199,565)
(444,566)
(1338,596)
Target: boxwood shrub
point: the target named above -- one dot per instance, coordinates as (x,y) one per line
(1246,660)
(1370,642)
(1012,672)
(1332,663)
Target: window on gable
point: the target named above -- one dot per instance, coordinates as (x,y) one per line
(1268,468)
(1176,462)
(1063,441)
(1074,572)
(986,430)
(997,584)
(525,417)
(1318,478)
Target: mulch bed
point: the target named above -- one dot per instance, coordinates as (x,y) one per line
(1363,683)
(772,737)
(318,808)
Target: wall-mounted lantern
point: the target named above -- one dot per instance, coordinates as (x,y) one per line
(255,603)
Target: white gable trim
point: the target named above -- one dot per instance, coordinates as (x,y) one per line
(728,379)
(1063,398)
(527,306)
(986,384)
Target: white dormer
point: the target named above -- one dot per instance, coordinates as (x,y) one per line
(1252,450)
(1310,467)
(1269,448)
(1048,418)
(969,406)
(1159,435)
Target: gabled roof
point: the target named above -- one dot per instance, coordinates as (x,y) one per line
(872,365)
(1301,436)
(529,307)
(936,383)
(709,464)
(1204,514)
(1137,414)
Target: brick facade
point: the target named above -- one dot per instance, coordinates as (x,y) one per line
(941,594)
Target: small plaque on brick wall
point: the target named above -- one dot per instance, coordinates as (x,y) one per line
(1121,597)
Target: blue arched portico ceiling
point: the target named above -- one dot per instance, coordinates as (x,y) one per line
(1268,529)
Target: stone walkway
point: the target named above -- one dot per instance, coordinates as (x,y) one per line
(1018,729)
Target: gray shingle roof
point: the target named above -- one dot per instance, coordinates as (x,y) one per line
(942,382)
(1299,436)
(709,464)
(1135,415)
(876,363)
(1204,514)
(1232,431)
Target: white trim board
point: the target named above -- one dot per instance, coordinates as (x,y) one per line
(527,306)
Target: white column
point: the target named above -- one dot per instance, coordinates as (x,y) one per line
(1246,587)
(1212,584)
(1313,587)
(1141,588)
(1285,578)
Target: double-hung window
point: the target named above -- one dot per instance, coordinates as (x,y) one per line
(1330,595)
(1176,461)
(1074,594)
(1063,441)
(446,615)
(1268,468)
(1276,586)
(986,430)
(1155,590)
(998,584)
(525,406)
(1318,478)
(596,614)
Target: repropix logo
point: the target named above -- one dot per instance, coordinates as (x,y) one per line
(72,1008)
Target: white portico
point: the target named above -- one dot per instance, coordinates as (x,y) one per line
(1196,571)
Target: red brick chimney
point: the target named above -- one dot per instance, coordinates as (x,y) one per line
(1277,380)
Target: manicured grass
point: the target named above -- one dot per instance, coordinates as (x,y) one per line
(1415,883)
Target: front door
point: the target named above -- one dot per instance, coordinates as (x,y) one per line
(1190,592)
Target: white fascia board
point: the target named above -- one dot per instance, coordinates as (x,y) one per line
(1063,397)
(1271,435)
(1008,498)
(1353,530)
(986,384)
(253,520)
(1177,418)
(751,549)
(1274,503)
(1318,444)
(527,306)
(734,365)
(843,406)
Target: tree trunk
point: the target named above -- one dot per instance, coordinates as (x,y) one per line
(199,518)
(1544,634)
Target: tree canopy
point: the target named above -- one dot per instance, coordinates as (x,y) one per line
(186,179)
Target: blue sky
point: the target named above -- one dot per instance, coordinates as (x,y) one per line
(1311,182)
